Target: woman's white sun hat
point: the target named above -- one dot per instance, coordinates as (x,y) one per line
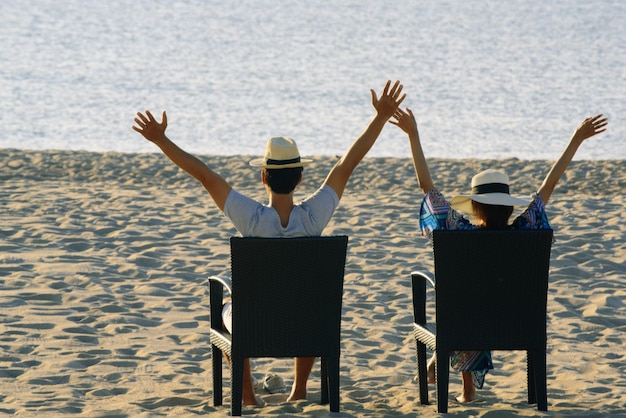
(280,152)
(490,187)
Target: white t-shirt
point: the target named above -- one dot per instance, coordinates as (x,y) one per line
(308,218)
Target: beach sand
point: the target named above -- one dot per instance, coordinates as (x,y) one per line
(104,302)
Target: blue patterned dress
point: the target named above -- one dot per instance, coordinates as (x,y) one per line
(436,213)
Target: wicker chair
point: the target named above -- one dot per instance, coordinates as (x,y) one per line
(490,294)
(287,295)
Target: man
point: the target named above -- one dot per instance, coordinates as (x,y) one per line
(281,173)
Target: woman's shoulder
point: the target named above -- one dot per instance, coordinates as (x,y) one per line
(534,217)
(436,199)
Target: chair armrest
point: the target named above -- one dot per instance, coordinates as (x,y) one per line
(418,283)
(217,284)
(224,280)
(424,275)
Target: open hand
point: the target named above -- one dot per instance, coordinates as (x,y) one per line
(147,126)
(590,127)
(389,100)
(405,121)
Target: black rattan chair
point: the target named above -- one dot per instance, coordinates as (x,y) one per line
(495,281)
(287,295)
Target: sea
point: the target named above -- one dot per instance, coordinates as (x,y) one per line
(485,78)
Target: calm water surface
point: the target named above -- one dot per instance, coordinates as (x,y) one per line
(487,79)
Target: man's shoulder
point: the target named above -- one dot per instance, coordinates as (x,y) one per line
(325,193)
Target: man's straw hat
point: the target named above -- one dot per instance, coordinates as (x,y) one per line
(280,152)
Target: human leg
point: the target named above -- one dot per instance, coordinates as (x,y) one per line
(469,391)
(431,369)
(303,366)
(473,366)
(248,396)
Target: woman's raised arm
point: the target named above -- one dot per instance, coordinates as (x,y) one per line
(587,128)
(406,122)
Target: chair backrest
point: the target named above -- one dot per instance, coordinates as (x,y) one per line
(287,295)
(491,288)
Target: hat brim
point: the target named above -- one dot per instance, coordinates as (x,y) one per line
(260,163)
(464,203)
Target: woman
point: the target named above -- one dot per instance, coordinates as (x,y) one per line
(490,206)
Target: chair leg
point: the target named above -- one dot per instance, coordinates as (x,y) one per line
(422,372)
(324,376)
(236,385)
(540,373)
(442,373)
(217,375)
(333,383)
(531,376)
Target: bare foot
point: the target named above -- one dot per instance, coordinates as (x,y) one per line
(430,376)
(468,393)
(296,395)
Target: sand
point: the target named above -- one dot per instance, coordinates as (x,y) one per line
(104,303)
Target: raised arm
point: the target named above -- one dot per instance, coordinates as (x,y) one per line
(406,122)
(154,132)
(588,128)
(385,107)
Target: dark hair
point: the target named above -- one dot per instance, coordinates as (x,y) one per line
(283,180)
(492,216)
